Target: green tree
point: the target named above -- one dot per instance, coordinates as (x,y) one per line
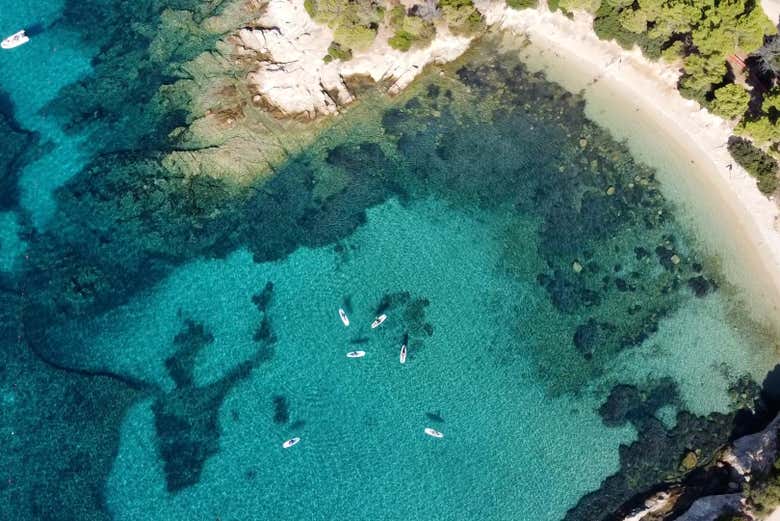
(758,163)
(522,4)
(731,101)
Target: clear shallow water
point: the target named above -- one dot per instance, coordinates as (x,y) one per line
(532,263)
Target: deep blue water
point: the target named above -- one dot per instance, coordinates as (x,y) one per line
(164,331)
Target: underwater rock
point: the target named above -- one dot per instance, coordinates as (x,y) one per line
(16,148)
(700,286)
(713,507)
(189,343)
(187,418)
(655,455)
(590,335)
(263,299)
(689,461)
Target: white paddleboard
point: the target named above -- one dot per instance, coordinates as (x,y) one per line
(15,40)
(344,317)
(289,443)
(433,432)
(356,354)
(381,318)
(403,354)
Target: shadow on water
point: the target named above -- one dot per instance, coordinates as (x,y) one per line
(36,29)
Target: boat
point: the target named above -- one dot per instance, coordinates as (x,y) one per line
(356,354)
(381,318)
(289,443)
(403,354)
(344,317)
(433,432)
(15,40)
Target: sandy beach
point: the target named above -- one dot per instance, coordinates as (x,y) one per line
(684,142)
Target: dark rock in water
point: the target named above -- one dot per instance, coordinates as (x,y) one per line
(187,419)
(264,333)
(568,295)
(712,508)
(591,335)
(629,403)
(699,285)
(622,401)
(188,344)
(263,299)
(360,340)
(16,146)
(281,411)
(640,253)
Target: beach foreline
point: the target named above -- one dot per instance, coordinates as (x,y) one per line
(721,196)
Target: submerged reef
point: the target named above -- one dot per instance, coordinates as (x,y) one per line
(16,148)
(186,419)
(171,183)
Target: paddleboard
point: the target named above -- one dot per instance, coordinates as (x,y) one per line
(403,354)
(289,443)
(433,432)
(344,318)
(381,318)
(356,354)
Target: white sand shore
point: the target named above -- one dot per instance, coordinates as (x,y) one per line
(684,142)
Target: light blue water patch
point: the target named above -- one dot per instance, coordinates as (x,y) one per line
(33,75)
(11,246)
(508,450)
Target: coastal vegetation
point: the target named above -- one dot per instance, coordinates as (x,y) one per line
(729,55)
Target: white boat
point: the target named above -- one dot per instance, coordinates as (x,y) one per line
(344,317)
(403,354)
(433,432)
(289,443)
(15,40)
(356,354)
(379,320)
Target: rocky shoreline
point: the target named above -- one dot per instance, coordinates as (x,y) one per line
(733,483)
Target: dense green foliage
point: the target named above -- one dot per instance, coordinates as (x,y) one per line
(354,24)
(731,101)
(522,4)
(711,30)
(461,16)
(758,163)
(410,30)
(702,36)
(337,52)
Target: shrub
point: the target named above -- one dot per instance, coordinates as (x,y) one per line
(337,52)
(758,163)
(731,101)
(401,40)
(461,16)
(410,31)
(522,4)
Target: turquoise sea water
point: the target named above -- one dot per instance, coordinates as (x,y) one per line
(164,335)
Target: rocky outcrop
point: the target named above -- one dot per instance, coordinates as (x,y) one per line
(294,80)
(712,507)
(755,454)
